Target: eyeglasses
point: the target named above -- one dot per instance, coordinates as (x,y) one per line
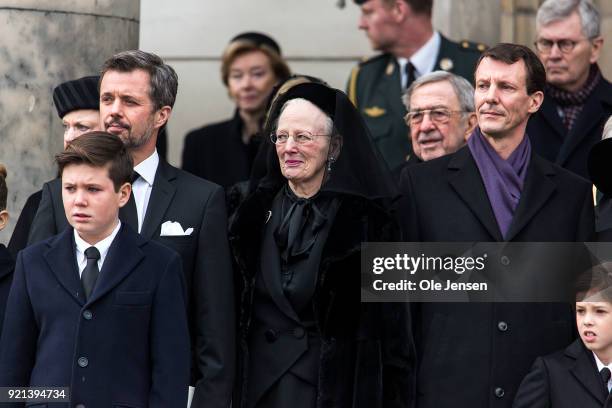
(439,116)
(299,138)
(565,45)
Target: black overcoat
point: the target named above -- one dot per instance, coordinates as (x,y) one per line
(551,140)
(217,153)
(565,379)
(366,355)
(127,345)
(475,355)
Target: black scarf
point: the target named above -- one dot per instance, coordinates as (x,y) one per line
(302,219)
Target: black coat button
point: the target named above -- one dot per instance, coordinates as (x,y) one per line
(502,326)
(83,362)
(505,260)
(87,315)
(271,335)
(299,332)
(499,392)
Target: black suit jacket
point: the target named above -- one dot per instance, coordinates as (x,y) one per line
(475,355)
(194,203)
(127,345)
(566,379)
(19,239)
(551,140)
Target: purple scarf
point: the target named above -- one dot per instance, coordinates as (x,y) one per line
(503,179)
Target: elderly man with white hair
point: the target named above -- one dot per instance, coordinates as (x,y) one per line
(440,116)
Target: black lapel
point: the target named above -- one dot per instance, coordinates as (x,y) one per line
(445,45)
(122,257)
(539,186)
(161,196)
(464,177)
(393,89)
(271,269)
(549,113)
(592,114)
(585,370)
(7,264)
(61,258)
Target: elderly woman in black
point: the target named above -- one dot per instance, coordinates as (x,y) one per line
(305,339)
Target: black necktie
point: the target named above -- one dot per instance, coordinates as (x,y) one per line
(91,271)
(605,376)
(128,212)
(410,73)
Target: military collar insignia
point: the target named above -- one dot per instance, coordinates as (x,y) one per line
(390,67)
(374,111)
(446,64)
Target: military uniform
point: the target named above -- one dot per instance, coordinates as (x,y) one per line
(375,89)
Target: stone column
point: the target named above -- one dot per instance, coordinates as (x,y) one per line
(46,42)
(473,20)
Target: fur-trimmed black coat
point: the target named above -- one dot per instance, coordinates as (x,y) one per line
(367,355)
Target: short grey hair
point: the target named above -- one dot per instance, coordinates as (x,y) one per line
(607,130)
(329,123)
(163,82)
(555,10)
(462,87)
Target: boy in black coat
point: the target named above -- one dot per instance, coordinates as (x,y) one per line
(578,376)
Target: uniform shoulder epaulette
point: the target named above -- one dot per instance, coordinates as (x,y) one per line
(466,45)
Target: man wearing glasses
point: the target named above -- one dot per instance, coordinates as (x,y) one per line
(578,100)
(440,117)
(410,47)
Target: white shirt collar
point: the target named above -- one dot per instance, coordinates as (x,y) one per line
(102,246)
(148,167)
(600,366)
(424,60)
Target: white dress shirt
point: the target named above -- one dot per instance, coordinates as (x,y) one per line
(101,246)
(424,60)
(143,185)
(601,365)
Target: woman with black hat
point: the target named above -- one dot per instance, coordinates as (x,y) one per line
(223,152)
(305,339)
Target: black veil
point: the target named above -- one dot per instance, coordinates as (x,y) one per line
(358,170)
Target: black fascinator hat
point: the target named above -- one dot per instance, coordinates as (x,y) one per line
(599,164)
(358,170)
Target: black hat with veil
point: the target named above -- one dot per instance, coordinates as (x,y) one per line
(357,170)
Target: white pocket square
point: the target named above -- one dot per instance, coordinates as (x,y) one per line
(174,229)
